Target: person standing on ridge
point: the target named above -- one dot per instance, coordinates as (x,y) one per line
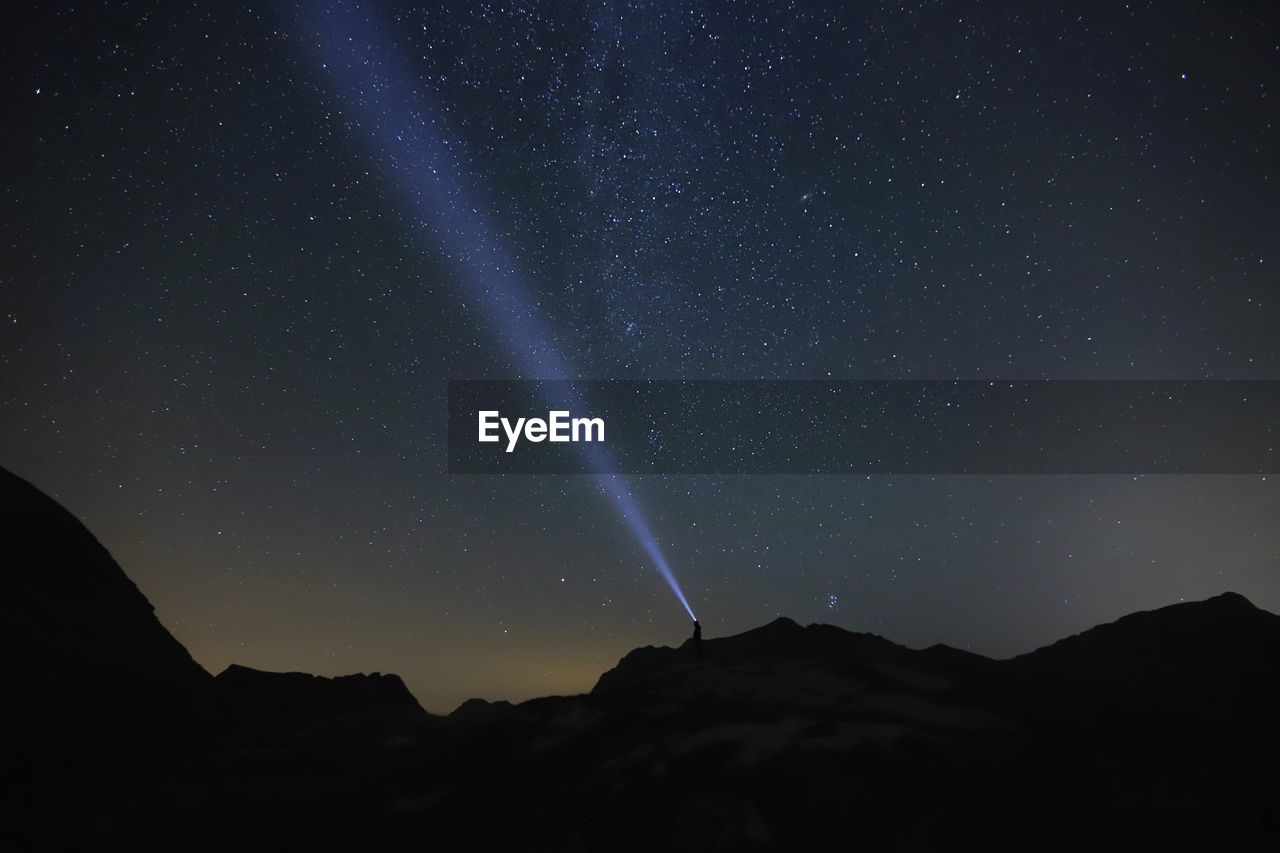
(697,639)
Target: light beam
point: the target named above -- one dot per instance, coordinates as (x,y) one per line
(406,135)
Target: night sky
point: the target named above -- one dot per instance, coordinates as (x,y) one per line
(227,327)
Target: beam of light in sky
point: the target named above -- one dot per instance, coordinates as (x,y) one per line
(378,89)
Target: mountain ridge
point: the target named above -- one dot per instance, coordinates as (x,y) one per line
(77,565)
(83,626)
(253,694)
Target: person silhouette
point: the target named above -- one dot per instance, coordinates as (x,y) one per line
(697,639)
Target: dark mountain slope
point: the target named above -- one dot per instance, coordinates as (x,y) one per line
(85,642)
(1216,660)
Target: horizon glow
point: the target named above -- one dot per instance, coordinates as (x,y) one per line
(373,82)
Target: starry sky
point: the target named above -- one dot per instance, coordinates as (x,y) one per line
(225,335)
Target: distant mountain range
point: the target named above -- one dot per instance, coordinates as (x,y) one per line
(1154,730)
(250,694)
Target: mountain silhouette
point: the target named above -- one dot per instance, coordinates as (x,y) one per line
(251,694)
(1212,661)
(781,649)
(1156,730)
(90,644)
